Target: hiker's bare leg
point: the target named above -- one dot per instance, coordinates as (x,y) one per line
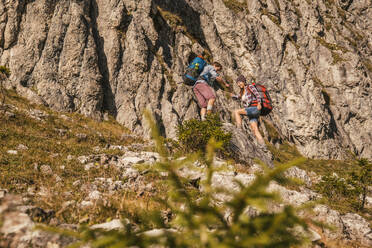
(210,105)
(254,127)
(238,118)
(203,111)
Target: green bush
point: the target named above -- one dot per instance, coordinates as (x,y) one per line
(194,135)
(201,222)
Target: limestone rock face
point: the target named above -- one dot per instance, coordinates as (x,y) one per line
(243,147)
(125,56)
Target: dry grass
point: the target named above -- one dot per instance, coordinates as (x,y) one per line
(236,6)
(331,46)
(173,20)
(50,141)
(70,182)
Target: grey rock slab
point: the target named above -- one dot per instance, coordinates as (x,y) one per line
(57,178)
(298,173)
(357,228)
(368,202)
(293,197)
(83,159)
(150,155)
(18,230)
(81,136)
(16,223)
(116,147)
(46,170)
(244,147)
(88,166)
(86,204)
(94,195)
(130,173)
(127,161)
(314,236)
(76,183)
(22,147)
(37,114)
(325,214)
(115,224)
(154,233)
(65,117)
(43,192)
(70,157)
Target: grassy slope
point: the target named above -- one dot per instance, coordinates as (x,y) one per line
(46,146)
(342,168)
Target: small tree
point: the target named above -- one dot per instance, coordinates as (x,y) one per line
(360,180)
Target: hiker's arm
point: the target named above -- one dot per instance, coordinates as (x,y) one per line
(259,106)
(222,82)
(234,96)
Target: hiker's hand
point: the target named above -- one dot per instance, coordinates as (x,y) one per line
(259,106)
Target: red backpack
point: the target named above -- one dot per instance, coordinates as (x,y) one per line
(266,99)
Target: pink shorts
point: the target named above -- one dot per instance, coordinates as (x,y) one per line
(203,93)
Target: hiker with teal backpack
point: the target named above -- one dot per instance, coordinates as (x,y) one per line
(256,101)
(203,77)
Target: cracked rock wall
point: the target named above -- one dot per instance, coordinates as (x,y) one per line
(124,56)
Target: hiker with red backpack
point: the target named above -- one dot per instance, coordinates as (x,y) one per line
(256,101)
(203,77)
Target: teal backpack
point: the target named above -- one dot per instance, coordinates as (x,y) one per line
(193,71)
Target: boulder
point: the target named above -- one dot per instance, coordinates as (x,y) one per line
(244,147)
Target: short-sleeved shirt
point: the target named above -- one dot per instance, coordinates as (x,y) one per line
(208,75)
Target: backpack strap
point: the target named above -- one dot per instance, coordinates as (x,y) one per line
(257,99)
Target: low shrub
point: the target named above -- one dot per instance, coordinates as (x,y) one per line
(335,188)
(193,135)
(351,190)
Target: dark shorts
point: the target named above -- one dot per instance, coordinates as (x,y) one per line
(253,113)
(203,93)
